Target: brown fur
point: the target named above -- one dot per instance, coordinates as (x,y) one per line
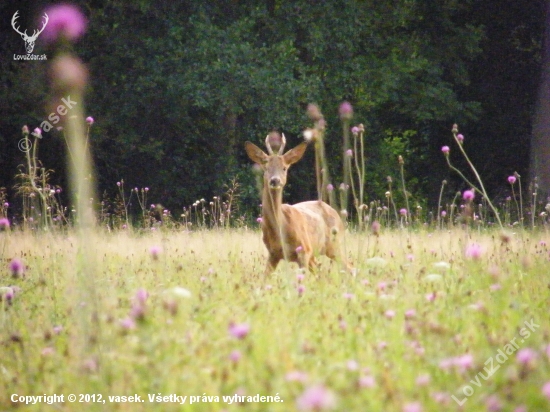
(314,225)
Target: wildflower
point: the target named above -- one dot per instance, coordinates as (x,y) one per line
(6,205)
(309,135)
(403,212)
(390,314)
(412,407)
(25,130)
(348,295)
(511,179)
(57,329)
(90,120)
(239,330)
(375,228)
(296,376)
(300,277)
(155,252)
(235,356)
(460,138)
(355,130)
(17,268)
(68,73)
(316,398)
(443,213)
(259,220)
(473,251)
(493,404)
(128,323)
(367,381)
(468,195)
(301,289)
(526,357)
(345,111)
(141,296)
(299,249)
(423,380)
(445,150)
(546,390)
(65,20)
(410,313)
(4,224)
(330,188)
(352,365)
(37,132)
(313,112)
(349,153)
(464,362)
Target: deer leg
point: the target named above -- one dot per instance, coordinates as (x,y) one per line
(272,263)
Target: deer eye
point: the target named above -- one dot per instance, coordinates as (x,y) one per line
(284,169)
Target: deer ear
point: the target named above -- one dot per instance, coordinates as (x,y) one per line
(295,154)
(256,154)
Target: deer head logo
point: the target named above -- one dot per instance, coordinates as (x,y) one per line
(29,40)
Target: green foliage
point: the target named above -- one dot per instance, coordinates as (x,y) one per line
(177,87)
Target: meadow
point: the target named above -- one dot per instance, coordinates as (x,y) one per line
(432,319)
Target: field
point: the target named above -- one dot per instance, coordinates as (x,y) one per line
(429,316)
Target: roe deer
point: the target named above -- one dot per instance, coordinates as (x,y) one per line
(294,232)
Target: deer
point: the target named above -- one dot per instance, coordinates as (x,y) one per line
(299,232)
(29,40)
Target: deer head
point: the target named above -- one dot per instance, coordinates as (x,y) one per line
(275,165)
(29,40)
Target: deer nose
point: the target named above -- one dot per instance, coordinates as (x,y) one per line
(275,182)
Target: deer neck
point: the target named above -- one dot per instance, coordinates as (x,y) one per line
(272,213)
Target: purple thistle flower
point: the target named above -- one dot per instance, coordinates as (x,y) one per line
(37,132)
(367,381)
(349,153)
(235,356)
(25,130)
(355,130)
(460,138)
(445,150)
(330,188)
(17,268)
(65,20)
(390,314)
(6,205)
(468,195)
(239,330)
(410,313)
(128,323)
(526,356)
(301,289)
(443,213)
(412,407)
(296,376)
(546,390)
(141,296)
(493,404)
(345,111)
(4,224)
(473,251)
(316,398)
(403,212)
(90,120)
(259,220)
(155,252)
(511,179)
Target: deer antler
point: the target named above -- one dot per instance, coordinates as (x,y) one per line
(283,144)
(37,32)
(269,149)
(14,18)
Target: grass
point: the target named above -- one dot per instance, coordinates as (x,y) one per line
(349,334)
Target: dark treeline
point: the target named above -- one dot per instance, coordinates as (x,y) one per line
(177,87)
